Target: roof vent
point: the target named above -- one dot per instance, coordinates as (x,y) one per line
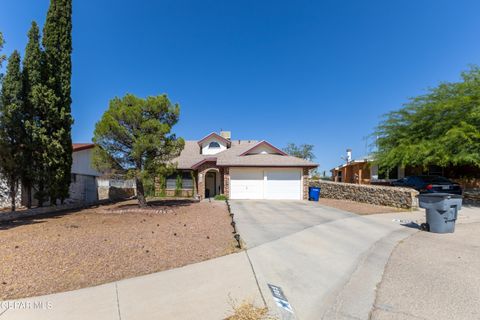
(226,134)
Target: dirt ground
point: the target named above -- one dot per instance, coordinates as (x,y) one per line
(357,207)
(90,247)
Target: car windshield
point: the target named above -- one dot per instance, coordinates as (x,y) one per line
(434,179)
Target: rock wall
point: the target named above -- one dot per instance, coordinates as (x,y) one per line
(378,195)
(115,188)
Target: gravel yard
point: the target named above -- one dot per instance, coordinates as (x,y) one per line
(65,252)
(357,207)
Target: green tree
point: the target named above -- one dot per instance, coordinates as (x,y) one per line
(57,43)
(32,79)
(440,128)
(304,151)
(2,56)
(11,126)
(48,150)
(135,134)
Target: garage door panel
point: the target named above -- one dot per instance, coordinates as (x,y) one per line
(283,184)
(246,184)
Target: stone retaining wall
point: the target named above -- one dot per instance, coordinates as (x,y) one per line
(378,195)
(116,194)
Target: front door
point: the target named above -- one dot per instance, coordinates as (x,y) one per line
(210,184)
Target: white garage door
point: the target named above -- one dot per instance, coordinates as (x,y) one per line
(246,184)
(265,183)
(283,184)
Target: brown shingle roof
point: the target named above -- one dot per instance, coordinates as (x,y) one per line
(231,157)
(81,146)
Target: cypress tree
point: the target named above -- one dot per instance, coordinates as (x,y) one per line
(57,42)
(11,126)
(2,56)
(32,78)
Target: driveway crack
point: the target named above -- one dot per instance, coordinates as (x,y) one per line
(118,302)
(256,279)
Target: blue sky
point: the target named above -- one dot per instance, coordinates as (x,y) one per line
(317,72)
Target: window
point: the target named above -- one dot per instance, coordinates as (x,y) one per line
(187,182)
(186,178)
(214,145)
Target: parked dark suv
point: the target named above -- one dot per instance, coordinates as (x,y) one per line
(429,184)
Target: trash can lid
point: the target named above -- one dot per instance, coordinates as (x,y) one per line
(440,195)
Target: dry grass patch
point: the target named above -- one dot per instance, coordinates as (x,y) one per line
(55,253)
(358,207)
(247,311)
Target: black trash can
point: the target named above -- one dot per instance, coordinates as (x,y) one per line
(441,211)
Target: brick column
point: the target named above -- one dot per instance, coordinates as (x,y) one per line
(226,182)
(305,183)
(201,184)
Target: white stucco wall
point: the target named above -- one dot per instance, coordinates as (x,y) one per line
(82,163)
(207,150)
(5,200)
(83,189)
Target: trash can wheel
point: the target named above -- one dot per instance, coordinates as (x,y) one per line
(424,227)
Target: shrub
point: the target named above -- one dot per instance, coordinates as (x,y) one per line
(162,184)
(178,185)
(221,197)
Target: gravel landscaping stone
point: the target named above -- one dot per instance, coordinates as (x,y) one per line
(55,253)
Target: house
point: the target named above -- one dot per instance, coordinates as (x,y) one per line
(239,169)
(84,179)
(83,187)
(365,171)
(87,184)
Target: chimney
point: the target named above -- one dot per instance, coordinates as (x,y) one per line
(226,134)
(349,155)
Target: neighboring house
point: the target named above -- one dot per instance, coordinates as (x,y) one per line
(365,171)
(239,169)
(87,184)
(83,187)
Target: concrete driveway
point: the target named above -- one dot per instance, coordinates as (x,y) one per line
(328,262)
(264,221)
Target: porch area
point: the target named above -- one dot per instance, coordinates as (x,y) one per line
(204,182)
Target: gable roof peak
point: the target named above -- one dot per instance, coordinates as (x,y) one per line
(217,136)
(264,142)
